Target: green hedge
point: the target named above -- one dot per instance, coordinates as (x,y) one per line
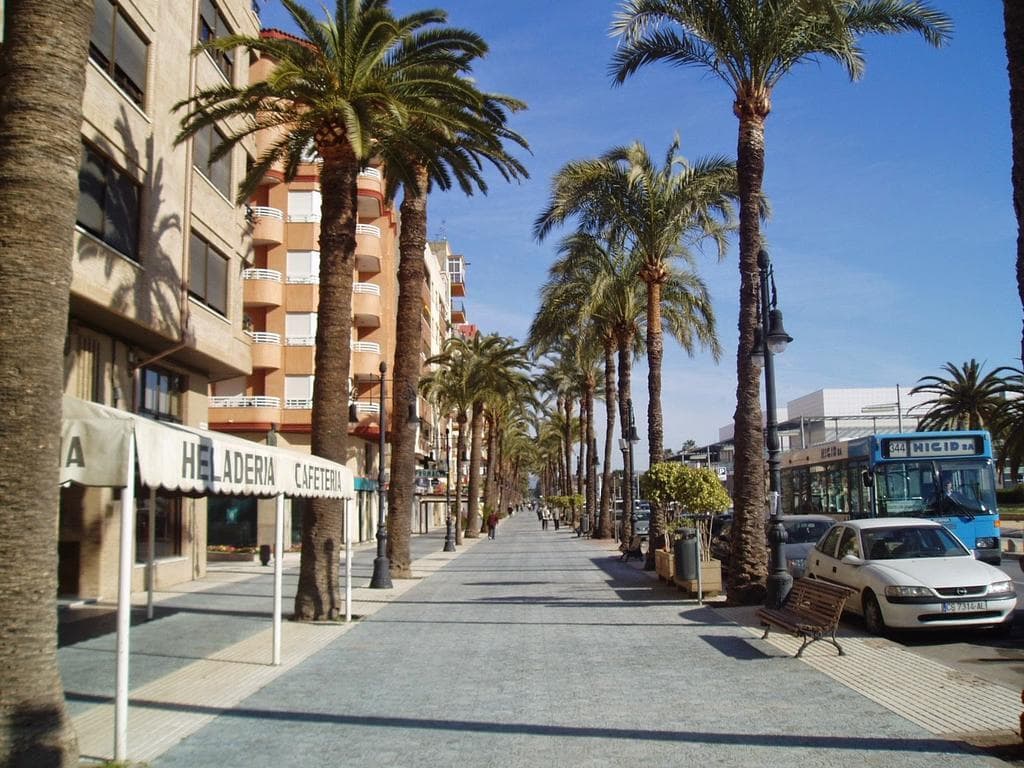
(1014,495)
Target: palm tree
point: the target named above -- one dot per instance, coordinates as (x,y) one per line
(40,148)
(353,78)
(1007,426)
(1013,22)
(661,213)
(965,400)
(751,45)
(433,150)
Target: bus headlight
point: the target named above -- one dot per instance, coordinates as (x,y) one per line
(986,542)
(897,591)
(1001,588)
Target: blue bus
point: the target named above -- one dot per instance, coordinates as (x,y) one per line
(948,477)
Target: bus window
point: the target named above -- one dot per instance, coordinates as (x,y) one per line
(904,489)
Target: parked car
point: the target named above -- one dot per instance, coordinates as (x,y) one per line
(643,517)
(911,574)
(802,532)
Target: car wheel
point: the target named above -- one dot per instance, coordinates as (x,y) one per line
(874,622)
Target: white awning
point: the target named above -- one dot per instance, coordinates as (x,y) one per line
(95,444)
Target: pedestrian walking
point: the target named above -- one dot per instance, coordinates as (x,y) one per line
(545,517)
(492,524)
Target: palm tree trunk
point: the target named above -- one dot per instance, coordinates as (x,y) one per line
(1013,21)
(41,88)
(655,428)
(460,449)
(567,443)
(317,596)
(748,557)
(625,385)
(490,484)
(591,457)
(476,429)
(607,529)
(411,270)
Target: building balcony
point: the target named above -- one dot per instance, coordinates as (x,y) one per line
(366,305)
(458,282)
(244,409)
(366,408)
(267,225)
(366,359)
(266,139)
(371,193)
(265,349)
(368,248)
(458,313)
(262,288)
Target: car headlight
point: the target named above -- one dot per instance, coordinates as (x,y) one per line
(797,563)
(1001,588)
(897,591)
(986,542)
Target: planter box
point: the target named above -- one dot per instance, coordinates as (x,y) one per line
(665,565)
(230,557)
(711,580)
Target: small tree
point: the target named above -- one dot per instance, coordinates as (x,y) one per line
(698,491)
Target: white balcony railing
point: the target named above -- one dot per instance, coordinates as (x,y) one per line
(298,404)
(363,406)
(371,173)
(262,274)
(367,229)
(366,346)
(265,212)
(294,279)
(241,401)
(262,337)
(368,288)
(304,218)
(301,341)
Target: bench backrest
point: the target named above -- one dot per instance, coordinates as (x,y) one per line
(817,600)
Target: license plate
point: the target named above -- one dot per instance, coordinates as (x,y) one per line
(976,605)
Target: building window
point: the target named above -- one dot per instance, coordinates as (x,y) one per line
(108,203)
(208,274)
(161,394)
(88,369)
(167,526)
(298,392)
(119,49)
(303,267)
(300,329)
(304,205)
(212,26)
(218,171)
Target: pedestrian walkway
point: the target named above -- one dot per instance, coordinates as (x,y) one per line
(535,649)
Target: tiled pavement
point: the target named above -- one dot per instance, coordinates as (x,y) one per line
(534,649)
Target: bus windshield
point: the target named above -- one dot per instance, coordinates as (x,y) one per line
(930,488)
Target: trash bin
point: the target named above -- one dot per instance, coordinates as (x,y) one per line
(264,554)
(687,556)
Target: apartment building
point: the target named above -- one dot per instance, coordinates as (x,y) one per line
(156,312)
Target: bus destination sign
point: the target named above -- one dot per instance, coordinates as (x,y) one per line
(919,448)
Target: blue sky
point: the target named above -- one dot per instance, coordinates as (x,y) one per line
(892,234)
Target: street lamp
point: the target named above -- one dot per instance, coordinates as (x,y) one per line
(631,438)
(770,341)
(449,542)
(381,578)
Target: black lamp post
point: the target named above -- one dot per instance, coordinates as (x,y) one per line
(772,340)
(449,541)
(381,578)
(633,494)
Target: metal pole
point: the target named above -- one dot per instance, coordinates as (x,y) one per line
(278,577)
(779,579)
(124,607)
(381,578)
(449,542)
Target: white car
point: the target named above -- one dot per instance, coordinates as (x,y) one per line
(911,574)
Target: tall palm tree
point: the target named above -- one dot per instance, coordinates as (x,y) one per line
(1013,23)
(751,45)
(1007,425)
(352,78)
(41,89)
(662,213)
(433,150)
(965,400)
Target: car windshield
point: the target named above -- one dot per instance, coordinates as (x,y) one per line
(910,542)
(805,531)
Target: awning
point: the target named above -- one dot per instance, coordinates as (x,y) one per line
(95,445)
(103,446)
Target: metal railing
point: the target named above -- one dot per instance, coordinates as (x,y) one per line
(364,406)
(371,173)
(262,337)
(265,212)
(303,279)
(367,229)
(262,274)
(368,288)
(298,403)
(242,401)
(304,218)
(366,346)
(300,341)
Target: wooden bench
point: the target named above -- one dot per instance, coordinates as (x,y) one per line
(811,610)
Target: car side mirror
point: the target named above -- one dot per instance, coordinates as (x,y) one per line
(852,560)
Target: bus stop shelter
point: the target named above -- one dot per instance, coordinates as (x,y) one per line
(107,447)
